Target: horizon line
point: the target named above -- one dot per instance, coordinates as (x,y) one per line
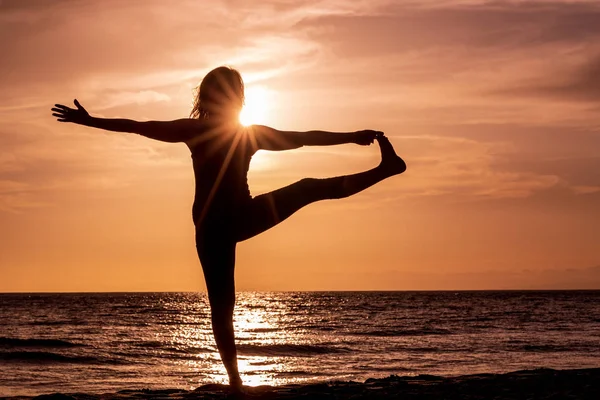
(310,291)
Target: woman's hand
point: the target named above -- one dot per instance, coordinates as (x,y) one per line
(67,114)
(366,137)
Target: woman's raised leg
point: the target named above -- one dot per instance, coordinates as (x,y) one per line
(267,210)
(218,264)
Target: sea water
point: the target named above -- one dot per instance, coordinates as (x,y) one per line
(103,342)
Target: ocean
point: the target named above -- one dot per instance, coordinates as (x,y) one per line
(104,342)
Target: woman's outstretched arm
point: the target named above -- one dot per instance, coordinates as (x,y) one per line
(272,139)
(180,130)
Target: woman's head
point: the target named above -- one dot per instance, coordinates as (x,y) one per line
(220,95)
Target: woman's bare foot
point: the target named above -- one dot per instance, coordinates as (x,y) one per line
(238,391)
(235,383)
(390,162)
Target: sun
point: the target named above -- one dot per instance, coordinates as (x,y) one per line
(256,106)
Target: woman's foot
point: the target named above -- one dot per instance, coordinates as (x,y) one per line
(390,162)
(236,385)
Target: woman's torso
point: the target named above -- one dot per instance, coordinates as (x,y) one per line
(221,159)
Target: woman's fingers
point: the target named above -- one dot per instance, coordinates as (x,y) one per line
(59,113)
(62,109)
(61,118)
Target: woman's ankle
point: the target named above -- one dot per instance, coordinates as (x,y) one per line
(235,381)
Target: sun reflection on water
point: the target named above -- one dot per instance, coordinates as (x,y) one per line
(257,323)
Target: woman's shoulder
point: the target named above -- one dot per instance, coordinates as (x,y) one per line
(205,133)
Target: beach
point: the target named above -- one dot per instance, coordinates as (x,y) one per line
(526,384)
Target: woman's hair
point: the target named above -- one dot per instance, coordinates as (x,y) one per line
(221,92)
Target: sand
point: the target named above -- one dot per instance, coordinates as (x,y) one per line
(530,384)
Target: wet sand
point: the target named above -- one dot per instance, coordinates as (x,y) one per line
(530,384)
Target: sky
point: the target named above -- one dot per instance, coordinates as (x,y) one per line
(494,105)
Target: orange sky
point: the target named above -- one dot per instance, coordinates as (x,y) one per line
(494,105)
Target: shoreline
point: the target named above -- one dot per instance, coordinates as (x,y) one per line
(524,384)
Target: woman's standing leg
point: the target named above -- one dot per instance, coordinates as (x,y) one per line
(218,264)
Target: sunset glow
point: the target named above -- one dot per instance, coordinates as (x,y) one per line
(493,105)
(256,107)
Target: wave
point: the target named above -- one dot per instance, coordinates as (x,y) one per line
(264,330)
(48,357)
(404,332)
(299,373)
(57,322)
(16,342)
(319,327)
(189,350)
(435,350)
(149,344)
(381,369)
(290,350)
(542,348)
(163,351)
(525,346)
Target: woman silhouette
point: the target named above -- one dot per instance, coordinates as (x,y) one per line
(224,212)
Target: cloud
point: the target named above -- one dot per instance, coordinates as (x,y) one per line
(481,45)
(485,25)
(40,163)
(19,202)
(452,58)
(581,83)
(124,98)
(464,169)
(586,189)
(394,64)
